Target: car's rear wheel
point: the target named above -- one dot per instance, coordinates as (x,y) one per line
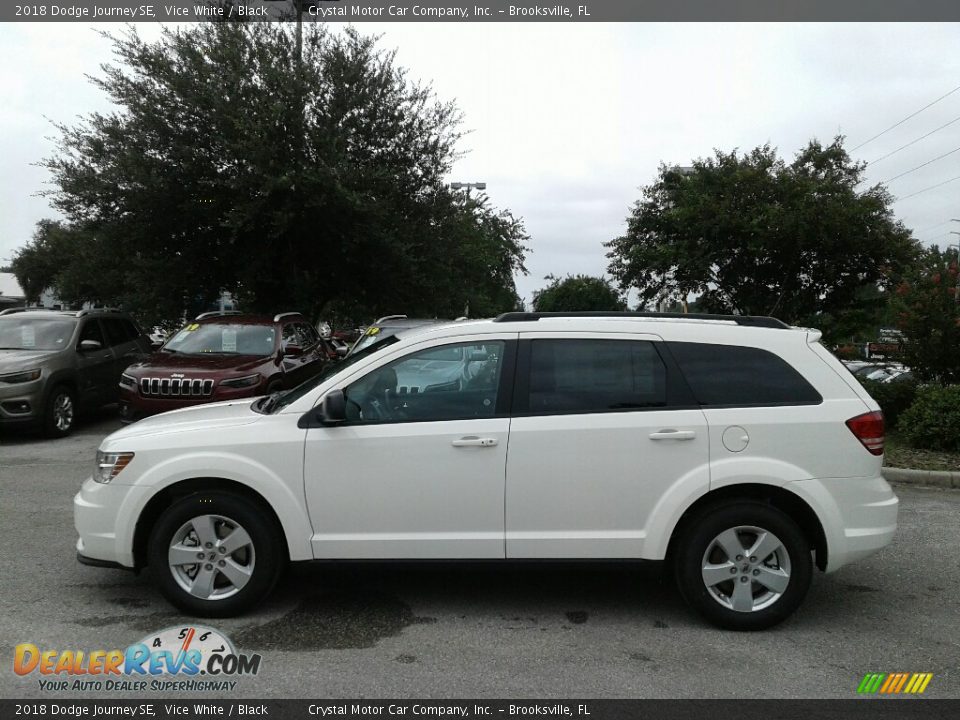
(215,554)
(60,412)
(744,565)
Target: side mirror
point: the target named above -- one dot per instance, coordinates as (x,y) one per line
(331,411)
(90,346)
(292,350)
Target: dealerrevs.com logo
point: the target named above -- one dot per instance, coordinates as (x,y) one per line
(187,658)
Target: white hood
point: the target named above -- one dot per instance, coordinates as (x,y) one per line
(230,413)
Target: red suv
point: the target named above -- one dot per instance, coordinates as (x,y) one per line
(224,356)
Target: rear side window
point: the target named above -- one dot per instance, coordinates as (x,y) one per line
(117,333)
(731,375)
(592,376)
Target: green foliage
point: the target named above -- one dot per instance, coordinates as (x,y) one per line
(230,164)
(752,234)
(929,316)
(577,292)
(933,420)
(893,398)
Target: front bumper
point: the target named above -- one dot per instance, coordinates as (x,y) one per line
(859,515)
(21,403)
(104,515)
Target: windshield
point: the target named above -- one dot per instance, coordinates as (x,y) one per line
(302,389)
(25,333)
(223,339)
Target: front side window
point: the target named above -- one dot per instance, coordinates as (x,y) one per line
(450,382)
(223,339)
(732,375)
(592,376)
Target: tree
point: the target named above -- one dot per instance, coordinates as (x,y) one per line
(929,315)
(751,234)
(232,165)
(577,292)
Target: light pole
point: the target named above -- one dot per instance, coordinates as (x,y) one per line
(956,291)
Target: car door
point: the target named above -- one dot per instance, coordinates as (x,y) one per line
(96,371)
(417,471)
(603,431)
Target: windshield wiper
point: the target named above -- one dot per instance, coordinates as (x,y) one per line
(267,404)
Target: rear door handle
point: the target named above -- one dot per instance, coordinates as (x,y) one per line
(474,441)
(673,435)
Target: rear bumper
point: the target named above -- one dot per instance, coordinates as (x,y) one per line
(858,515)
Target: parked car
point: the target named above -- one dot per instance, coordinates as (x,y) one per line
(738,449)
(223,356)
(387,326)
(56,363)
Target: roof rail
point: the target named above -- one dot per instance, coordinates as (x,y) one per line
(389,317)
(87,311)
(279,316)
(217,313)
(745,320)
(11,311)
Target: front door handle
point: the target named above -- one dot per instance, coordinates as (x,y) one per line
(474,441)
(673,435)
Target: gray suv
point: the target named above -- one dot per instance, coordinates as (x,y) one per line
(55,363)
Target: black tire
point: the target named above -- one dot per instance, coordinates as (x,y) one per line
(274,386)
(715,603)
(266,561)
(57,421)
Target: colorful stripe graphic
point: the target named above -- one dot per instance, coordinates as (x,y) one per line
(894,683)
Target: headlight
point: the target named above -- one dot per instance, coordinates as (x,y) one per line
(109,465)
(20,377)
(241,382)
(128,380)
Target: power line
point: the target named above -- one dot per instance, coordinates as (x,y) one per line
(898,124)
(933,227)
(928,162)
(932,187)
(913,142)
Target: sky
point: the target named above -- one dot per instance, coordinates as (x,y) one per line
(569,121)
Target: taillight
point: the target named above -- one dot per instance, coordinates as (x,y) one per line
(869,431)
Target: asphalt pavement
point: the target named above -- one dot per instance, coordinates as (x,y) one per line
(494,630)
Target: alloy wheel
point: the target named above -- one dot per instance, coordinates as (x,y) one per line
(211,557)
(746,568)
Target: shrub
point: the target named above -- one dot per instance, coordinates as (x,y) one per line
(932,422)
(893,398)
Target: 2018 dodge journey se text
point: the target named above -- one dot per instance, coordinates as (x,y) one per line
(738,449)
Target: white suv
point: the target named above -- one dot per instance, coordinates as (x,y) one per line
(736,448)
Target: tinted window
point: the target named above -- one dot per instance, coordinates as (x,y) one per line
(130,330)
(447,383)
(587,376)
(734,375)
(116,332)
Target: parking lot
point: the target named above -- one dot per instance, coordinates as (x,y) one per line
(485,630)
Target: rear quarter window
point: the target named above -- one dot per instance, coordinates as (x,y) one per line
(732,375)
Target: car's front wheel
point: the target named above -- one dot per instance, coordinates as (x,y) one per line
(215,554)
(60,412)
(743,565)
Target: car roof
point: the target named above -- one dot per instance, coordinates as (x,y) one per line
(730,329)
(246,318)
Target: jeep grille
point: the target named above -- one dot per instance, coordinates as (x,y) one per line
(176,387)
